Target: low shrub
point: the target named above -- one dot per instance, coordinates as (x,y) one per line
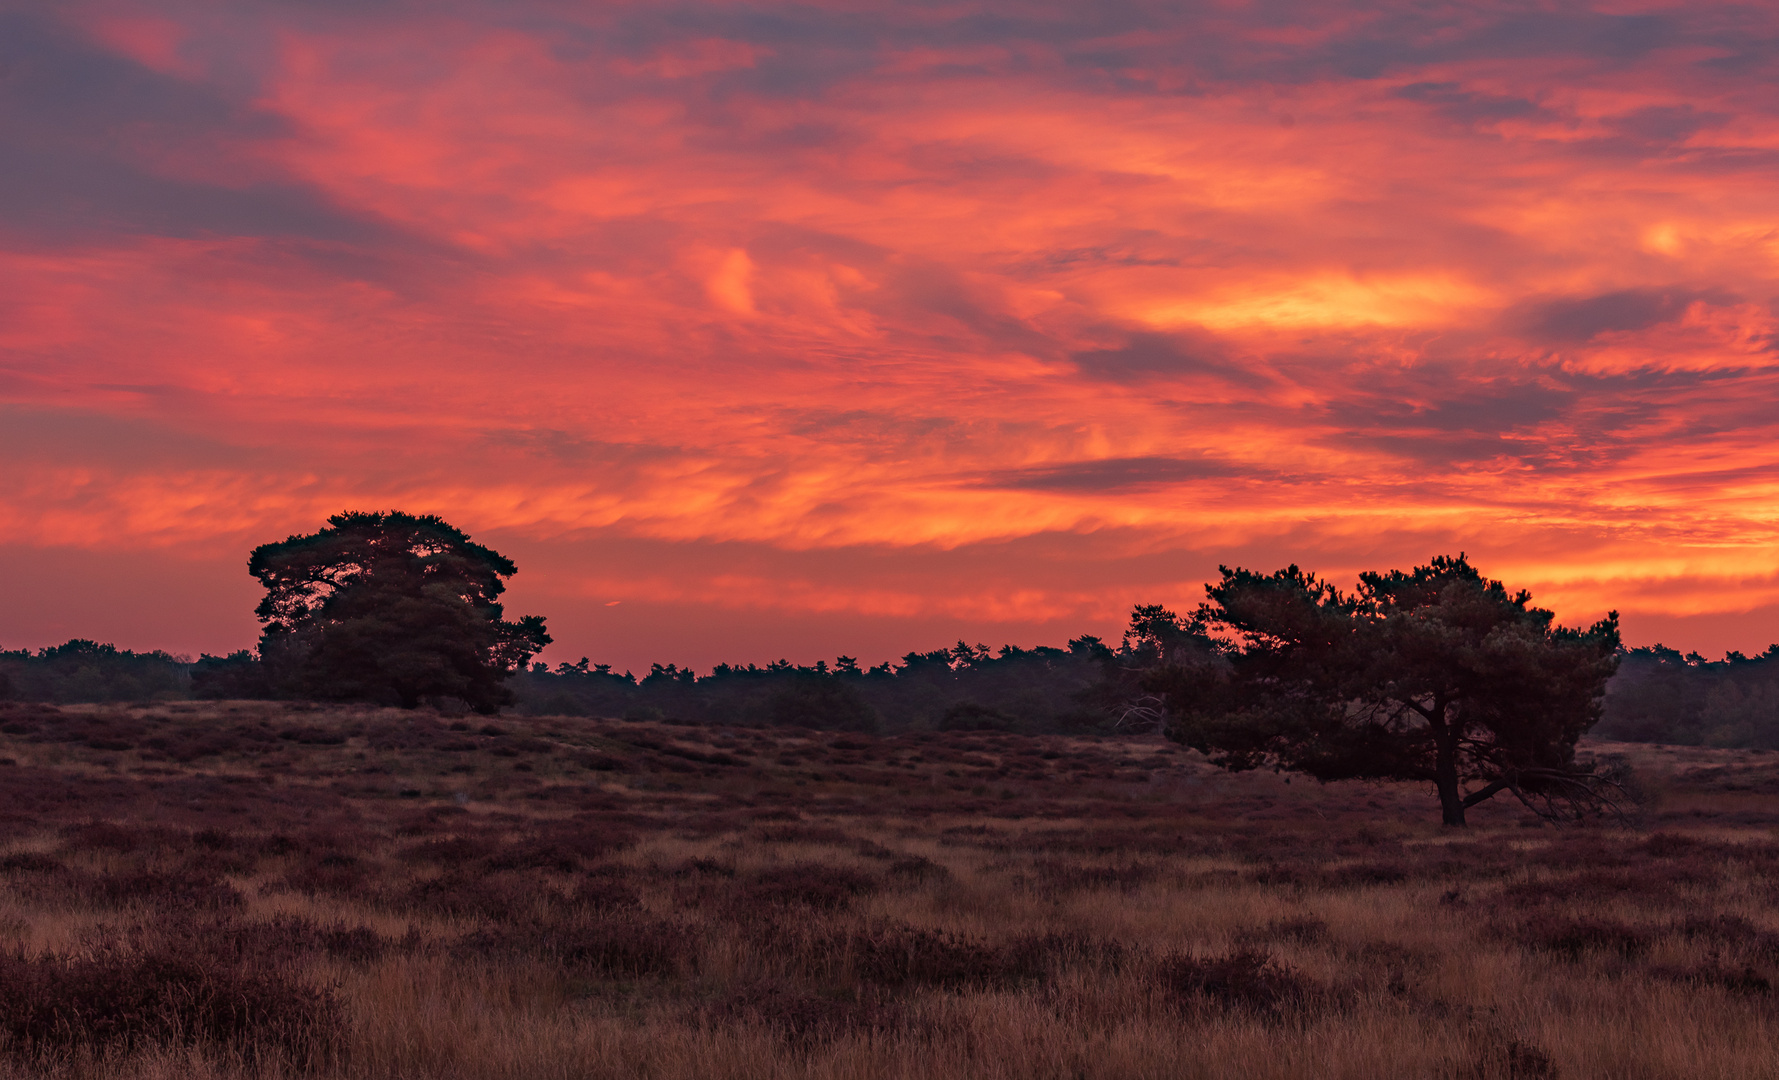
(1512,1059)
(354,944)
(1248,979)
(278,941)
(448,851)
(1034,956)
(1719,929)
(51,1006)
(900,956)
(1364,873)
(600,762)
(807,834)
(497,896)
(191,892)
(1050,875)
(213,839)
(829,888)
(802,1017)
(604,892)
(30,862)
(1301,930)
(621,944)
(1746,981)
(1571,937)
(1650,884)
(564,849)
(109,836)
(916,870)
(328,873)
(701,866)
(309,735)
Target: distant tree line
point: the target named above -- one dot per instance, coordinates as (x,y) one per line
(1081,688)
(1436,674)
(1659,695)
(1423,671)
(84,670)
(966,687)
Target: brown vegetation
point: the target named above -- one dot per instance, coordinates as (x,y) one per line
(262,889)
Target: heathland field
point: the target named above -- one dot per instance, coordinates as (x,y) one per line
(263,889)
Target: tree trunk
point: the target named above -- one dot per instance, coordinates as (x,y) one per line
(1445,774)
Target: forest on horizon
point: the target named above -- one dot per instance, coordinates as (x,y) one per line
(1658,695)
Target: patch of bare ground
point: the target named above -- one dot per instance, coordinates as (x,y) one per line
(253,889)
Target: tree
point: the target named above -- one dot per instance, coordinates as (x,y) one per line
(389,607)
(83,670)
(810,700)
(1436,674)
(237,675)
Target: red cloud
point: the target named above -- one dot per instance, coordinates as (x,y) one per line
(941,318)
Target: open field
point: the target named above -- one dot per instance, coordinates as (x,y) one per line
(262,889)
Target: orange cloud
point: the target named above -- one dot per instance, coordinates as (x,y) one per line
(943,320)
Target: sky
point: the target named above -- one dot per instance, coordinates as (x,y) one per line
(756,330)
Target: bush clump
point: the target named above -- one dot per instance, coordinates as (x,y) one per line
(51,1006)
(1746,981)
(829,888)
(903,956)
(621,944)
(802,1017)
(1573,937)
(1248,979)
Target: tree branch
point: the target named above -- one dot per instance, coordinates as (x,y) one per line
(1561,795)
(1487,791)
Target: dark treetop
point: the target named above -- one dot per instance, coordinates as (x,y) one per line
(390,607)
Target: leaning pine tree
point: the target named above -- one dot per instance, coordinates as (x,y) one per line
(1435,675)
(391,608)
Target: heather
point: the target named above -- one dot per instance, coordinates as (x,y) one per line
(236,889)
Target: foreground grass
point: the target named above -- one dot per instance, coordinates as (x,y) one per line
(255,889)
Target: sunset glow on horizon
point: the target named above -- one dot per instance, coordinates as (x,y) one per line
(754,330)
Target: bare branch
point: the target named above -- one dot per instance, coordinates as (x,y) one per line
(1139,713)
(1559,795)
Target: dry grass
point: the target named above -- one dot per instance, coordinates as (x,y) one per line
(252,889)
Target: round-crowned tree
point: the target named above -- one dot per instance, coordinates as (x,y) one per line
(1435,674)
(391,608)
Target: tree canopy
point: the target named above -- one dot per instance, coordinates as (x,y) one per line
(1435,674)
(390,607)
(1662,696)
(83,670)
(1029,691)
